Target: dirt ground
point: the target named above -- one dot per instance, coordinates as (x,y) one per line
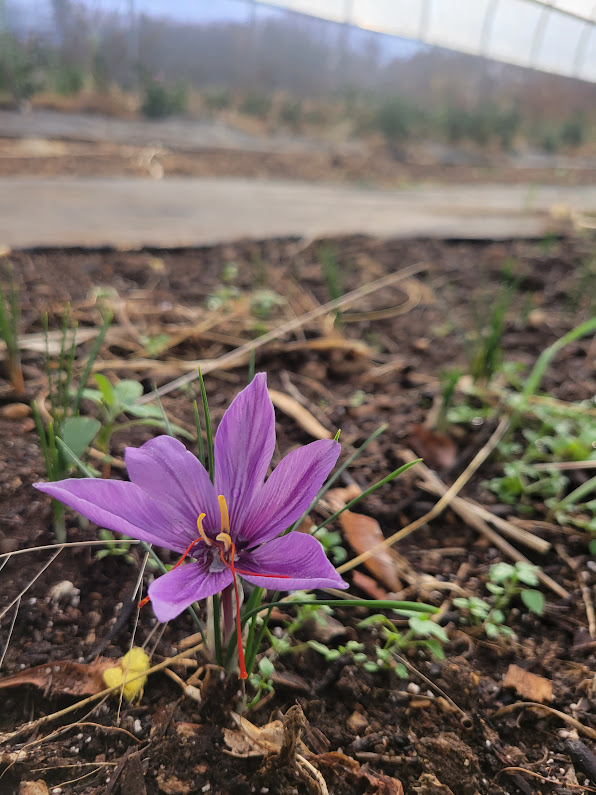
(374,167)
(452,727)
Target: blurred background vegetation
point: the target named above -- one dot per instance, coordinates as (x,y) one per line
(289,73)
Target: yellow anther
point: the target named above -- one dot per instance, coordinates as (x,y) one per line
(225,517)
(226,541)
(202,533)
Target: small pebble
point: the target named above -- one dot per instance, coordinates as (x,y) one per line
(137,726)
(413,688)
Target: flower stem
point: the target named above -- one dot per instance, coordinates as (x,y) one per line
(217,629)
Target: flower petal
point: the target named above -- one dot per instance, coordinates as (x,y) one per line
(125,508)
(169,473)
(296,556)
(289,491)
(244,445)
(173,592)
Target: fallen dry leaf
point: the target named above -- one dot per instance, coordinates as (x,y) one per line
(336,499)
(15,411)
(65,678)
(172,785)
(368,585)
(363,532)
(438,450)
(38,787)
(357,722)
(36,343)
(363,774)
(428,784)
(528,685)
(300,414)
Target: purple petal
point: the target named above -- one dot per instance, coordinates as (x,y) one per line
(125,508)
(167,471)
(173,592)
(244,445)
(289,491)
(297,556)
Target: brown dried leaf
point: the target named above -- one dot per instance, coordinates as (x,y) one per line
(298,413)
(38,787)
(438,450)
(368,585)
(62,678)
(363,532)
(364,775)
(528,685)
(172,785)
(263,739)
(383,785)
(336,499)
(15,411)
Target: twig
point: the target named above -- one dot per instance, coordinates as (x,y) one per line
(586,730)
(565,784)
(586,594)
(67,544)
(472,515)
(440,506)
(565,465)
(31,582)
(237,355)
(12,623)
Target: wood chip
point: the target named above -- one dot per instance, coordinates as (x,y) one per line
(297,412)
(528,685)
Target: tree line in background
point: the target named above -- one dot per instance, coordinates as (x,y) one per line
(295,72)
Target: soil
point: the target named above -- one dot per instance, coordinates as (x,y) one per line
(443,730)
(369,165)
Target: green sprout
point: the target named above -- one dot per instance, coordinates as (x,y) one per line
(260,679)
(9,331)
(506,582)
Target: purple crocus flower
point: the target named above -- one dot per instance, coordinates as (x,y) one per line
(222,529)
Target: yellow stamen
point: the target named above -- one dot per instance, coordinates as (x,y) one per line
(202,533)
(226,540)
(225,517)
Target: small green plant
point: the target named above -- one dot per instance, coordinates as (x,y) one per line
(555,433)
(506,583)
(260,679)
(483,344)
(222,297)
(9,330)
(421,634)
(332,543)
(328,256)
(122,399)
(352,648)
(161,99)
(114,549)
(67,436)
(263,302)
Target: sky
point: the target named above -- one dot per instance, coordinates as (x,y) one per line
(566,45)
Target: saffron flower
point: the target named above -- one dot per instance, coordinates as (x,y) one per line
(223,529)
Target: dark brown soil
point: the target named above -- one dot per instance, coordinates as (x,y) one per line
(365,731)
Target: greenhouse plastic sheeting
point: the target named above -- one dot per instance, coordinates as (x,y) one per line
(556,36)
